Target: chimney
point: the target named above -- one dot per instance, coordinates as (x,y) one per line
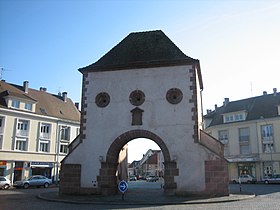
(216,107)
(208,111)
(25,86)
(77,105)
(275,91)
(264,93)
(226,101)
(43,89)
(64,96)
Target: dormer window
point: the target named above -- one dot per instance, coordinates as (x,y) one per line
(15,104)
(234,117)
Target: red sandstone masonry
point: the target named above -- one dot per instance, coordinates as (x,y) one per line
(216,177)
(70,179)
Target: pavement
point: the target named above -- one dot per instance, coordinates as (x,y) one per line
(141,197)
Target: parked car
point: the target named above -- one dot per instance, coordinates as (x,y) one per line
(272,179)
(151,178)
(245,178)
(37,180)
(5,183)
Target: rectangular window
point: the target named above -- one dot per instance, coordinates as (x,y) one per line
(244,135)
(20,144)
(15,104)
(22,128)
(45,131)
(28,106)
(267,131)
(65,134)
(63,148)
(44,146)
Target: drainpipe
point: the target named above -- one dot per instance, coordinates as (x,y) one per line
(58,130)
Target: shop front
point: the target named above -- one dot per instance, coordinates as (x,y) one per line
(243,165)
(41,168)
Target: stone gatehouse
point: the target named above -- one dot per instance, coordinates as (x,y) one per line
(144,87)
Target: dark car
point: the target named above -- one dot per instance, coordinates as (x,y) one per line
(37,180)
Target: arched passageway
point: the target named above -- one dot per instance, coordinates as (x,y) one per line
(107,176)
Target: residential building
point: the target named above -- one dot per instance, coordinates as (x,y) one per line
(35,130)
(249,130)
(152,163)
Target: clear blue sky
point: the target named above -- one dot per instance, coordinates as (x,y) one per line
(237,42)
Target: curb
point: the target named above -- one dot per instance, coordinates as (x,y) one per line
(235,197)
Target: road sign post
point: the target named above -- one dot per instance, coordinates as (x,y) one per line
(123,187)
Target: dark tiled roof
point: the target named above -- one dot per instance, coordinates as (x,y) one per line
(46,103)
(264,106)
(141,50)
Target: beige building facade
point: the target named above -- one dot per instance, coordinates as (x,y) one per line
(36,128)
(249,130)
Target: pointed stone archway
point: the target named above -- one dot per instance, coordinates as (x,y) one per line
(107,177)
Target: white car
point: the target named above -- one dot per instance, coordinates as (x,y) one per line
(245,178)
(272,179)
(5,183)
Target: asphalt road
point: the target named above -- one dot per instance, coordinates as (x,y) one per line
(267,198)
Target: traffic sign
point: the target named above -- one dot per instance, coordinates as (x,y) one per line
(123,186)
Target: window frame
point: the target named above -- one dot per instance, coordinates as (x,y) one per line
(18,144)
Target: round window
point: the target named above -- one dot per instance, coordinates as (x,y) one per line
(102,99)
(137,97)
(174,95)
